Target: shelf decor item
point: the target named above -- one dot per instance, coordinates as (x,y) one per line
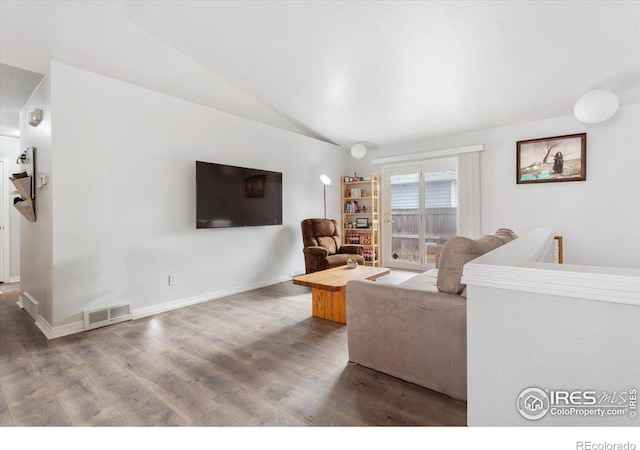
(356,192)
(362,222)
(361,215)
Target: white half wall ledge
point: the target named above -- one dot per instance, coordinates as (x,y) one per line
(521,265)
(429,154)
(536,325)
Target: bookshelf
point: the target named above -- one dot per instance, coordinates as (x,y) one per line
(361,215)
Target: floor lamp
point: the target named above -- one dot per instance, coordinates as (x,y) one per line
(326,181)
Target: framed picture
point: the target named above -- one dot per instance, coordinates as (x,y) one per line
(254,186)
(546,160)
(362,222)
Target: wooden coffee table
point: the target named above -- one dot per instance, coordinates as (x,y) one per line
(328,289)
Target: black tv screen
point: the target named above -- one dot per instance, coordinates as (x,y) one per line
(230,196)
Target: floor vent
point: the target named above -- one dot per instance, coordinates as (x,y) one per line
(30,306)
(101,317)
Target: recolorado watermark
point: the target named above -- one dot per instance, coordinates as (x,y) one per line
(588,445)
(535,403)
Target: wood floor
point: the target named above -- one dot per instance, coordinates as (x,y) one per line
(252,359)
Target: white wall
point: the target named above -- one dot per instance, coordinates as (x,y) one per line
(533,323)
(9,152)
(518,340)
(35,237)
(123,186)
(599,218)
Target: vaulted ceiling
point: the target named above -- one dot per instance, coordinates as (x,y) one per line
(16,86)
(345,71)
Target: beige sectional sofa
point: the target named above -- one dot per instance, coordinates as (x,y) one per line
(417,330)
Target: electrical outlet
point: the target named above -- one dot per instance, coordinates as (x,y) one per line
(172,279)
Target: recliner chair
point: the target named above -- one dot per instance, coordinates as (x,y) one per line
(323,247)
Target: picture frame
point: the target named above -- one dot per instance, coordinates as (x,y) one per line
(552,159)
(362,222)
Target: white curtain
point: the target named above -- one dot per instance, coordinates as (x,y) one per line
(469,195)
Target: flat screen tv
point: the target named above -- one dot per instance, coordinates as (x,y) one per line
(230,196)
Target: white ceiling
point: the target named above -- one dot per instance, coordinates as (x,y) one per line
(376,72)
(16,86)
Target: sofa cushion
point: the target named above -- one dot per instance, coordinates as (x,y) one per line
(433,273)
(421,282)
(456,253)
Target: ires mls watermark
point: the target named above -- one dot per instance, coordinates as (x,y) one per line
(534,403)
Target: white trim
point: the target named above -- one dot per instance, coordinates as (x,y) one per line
(181,303)
(429,155)
(7,202)
(519,266)
(14,279)
(51,332)
(62,330)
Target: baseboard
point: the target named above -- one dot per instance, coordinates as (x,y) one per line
(51,332)
(15,279)
(56,332)
(181,303)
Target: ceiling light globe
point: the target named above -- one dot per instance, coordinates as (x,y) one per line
(358,150)
(596,106)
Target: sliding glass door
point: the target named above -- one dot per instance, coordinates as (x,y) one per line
(401,218)
(420,212)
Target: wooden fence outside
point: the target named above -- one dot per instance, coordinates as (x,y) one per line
(440,225)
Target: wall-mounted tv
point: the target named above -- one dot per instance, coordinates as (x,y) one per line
(230,196)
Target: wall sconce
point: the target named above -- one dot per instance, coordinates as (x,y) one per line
(35,117)
(596,106)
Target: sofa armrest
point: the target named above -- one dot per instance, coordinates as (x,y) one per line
(316,250)
(409,333)
(352,249)
(315,258)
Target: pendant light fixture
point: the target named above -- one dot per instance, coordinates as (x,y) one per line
(358,150)
(596,106)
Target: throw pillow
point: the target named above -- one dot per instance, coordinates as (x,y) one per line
(506,235)
(456,253)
